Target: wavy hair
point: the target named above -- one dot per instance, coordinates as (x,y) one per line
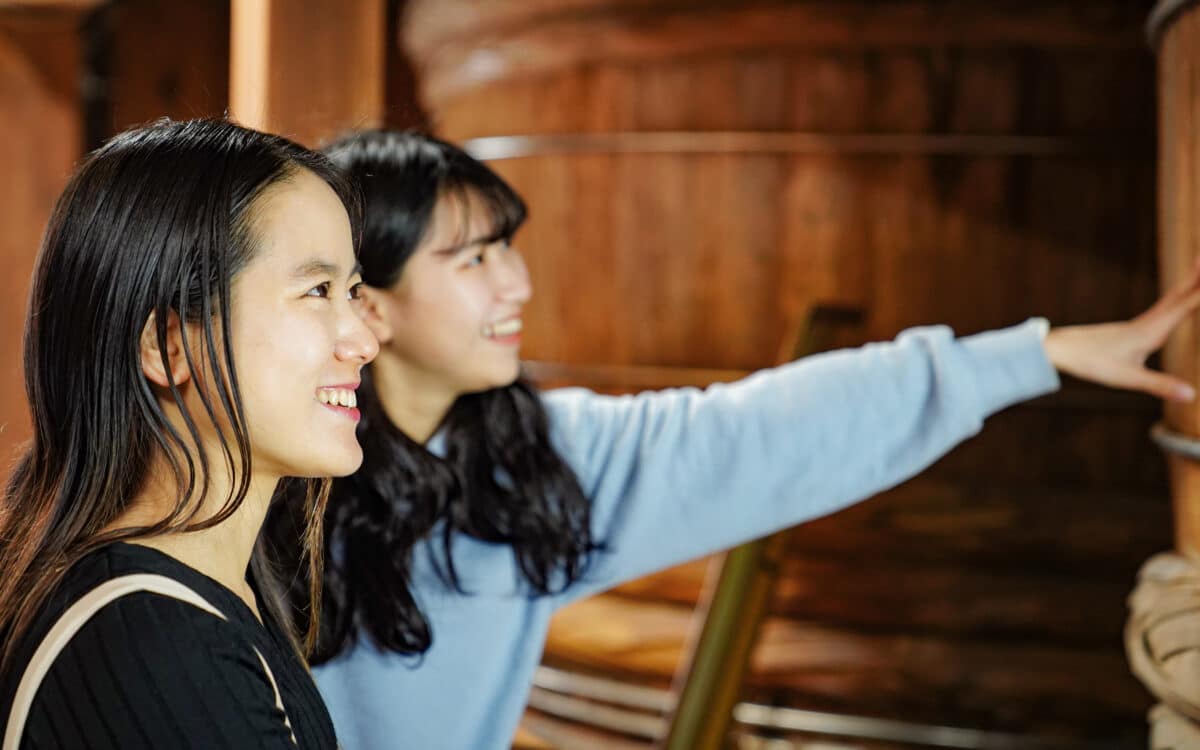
(157,221)
(498,479)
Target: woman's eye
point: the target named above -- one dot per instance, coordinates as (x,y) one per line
(474,260)
(355,291)
(321,290)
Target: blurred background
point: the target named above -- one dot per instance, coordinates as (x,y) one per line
(716,186)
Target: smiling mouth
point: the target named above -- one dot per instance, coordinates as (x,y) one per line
(503,328)
(337,397)
(343,401)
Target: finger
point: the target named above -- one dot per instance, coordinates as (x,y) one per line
(1169,311)
(1190,282)
(1164,386)
(1182,300)
(1183,288)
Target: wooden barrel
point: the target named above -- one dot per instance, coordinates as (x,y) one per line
(1163,632)
(1174,28)
(698,173)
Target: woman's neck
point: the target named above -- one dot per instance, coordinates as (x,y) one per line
(415,402)
(221,552)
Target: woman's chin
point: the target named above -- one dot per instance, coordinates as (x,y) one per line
(349,464)
(340,463)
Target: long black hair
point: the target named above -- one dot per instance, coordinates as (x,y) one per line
(498,478)
(157,222)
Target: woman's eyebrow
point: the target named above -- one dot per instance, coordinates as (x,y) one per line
(318,267)
(486,239)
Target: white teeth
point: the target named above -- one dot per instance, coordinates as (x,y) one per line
(504,328)
(337,397)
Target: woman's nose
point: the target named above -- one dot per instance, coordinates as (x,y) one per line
(512,278)
(356,342)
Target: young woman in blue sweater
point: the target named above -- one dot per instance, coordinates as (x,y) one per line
(483,506)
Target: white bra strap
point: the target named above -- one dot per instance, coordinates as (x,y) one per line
(77,616)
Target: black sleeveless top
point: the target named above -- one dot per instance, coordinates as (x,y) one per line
(150,671)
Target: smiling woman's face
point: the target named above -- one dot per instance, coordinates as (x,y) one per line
(298,338)
(452,323)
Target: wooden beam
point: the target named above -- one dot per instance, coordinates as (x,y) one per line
(307,69)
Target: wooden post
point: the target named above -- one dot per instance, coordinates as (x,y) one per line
(1162,635)
(41,118)
(307,69)
(1175,30)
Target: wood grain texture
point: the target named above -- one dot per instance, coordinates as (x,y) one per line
(308,70)
(41,118)
(464,45)
(916,676)
(1179,243)
(168,60)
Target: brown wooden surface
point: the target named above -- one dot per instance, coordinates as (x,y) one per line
(40,117)
(917,676)
(308,70)
(463,44)
(1014,554)
(56,6)
(168,59)
(930,597)
(1179,148)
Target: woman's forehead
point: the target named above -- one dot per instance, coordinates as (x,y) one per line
(299,220)
(460,216)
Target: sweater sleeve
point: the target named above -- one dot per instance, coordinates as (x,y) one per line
(148,671)
(677,474)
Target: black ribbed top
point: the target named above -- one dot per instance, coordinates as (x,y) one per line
(150,671)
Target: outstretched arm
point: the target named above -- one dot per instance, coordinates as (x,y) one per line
(681,473)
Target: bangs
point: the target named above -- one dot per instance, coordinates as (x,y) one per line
(505,210)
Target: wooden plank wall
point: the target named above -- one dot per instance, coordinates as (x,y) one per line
(41,119)
(166,60)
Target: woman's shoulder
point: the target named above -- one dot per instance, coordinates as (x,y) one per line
(121,560)
(128,624)
(144,661)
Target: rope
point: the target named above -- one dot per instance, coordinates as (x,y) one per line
(1162,640)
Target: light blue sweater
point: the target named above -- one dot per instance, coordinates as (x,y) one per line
(674,475)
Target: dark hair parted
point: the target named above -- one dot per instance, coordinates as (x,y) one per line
(498,478)
(157,222)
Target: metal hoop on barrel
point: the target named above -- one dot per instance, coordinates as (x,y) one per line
(1175,443)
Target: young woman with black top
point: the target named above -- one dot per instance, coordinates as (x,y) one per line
(192,339)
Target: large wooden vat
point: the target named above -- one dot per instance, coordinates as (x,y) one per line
(699,173)
(1175,30)
(1163,632)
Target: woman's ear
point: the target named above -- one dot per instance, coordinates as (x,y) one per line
(373,309)
(157,364)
